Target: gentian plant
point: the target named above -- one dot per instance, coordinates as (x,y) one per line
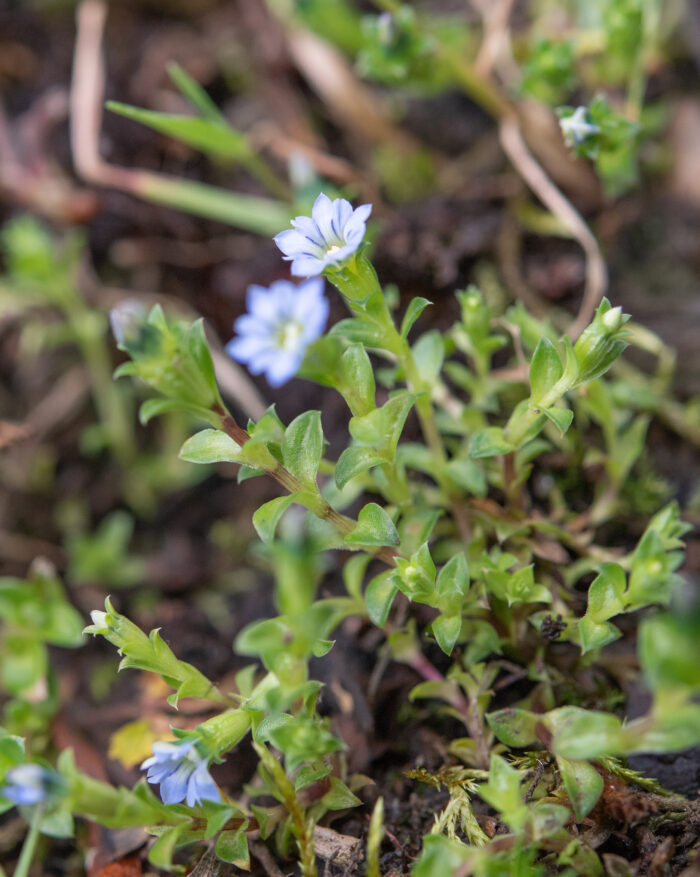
(465,569)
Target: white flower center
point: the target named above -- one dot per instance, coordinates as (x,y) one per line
(290,335)
(333,250)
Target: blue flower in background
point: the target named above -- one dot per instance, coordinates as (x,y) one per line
(280,324)
(330,235)
(29,784)
(182,773)
(576,128)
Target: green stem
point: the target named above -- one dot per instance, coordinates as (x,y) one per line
(107,397)
(313,501)
(481,90)
(302,829)
(29,845)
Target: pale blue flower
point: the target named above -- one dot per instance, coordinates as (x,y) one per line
(576,128)
(325,239)
(280,324)
(182,773)
(29,784)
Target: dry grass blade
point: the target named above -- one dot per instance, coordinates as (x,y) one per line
(596,272)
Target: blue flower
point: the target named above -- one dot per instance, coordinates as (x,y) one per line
(280,324)
(182,773)
(323,240)
(29,784)
(576,128)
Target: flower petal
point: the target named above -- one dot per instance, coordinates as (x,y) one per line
(323,214)
(307,266)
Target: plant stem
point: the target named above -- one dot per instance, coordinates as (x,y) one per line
(302,829)
(29,845)
(314,502)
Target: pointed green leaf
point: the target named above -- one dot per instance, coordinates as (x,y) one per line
(545,369)
(446,631)
(208,136)
(302,446)
(359,376)
(488,442)
(353,461)
(210,446)
(583,784)
(267,517)
(232,847)
(562,418)
(514,727)
(374,527)
(379,596)
(413,311)
(195,94)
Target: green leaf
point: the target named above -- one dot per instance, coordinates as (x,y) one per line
(354,573)
(488,442)
(353,461)
(267,517)
(413,311)
(210,446)
(161,853)
(562,418)
(446,630)
(467,475)
(416,577)
(595,635)
(258,215)
(547,819)
(587,734)
(514,727)
(669,652)
(302,446)
(429,355)
(383,426)
(374,527)
(502,791)
(339,796)
(154,407)
(206,135)
(379,597)
(545,369)
(583,784)
(606,593)
(452,584)
(195,94)
(358,376)
(232,847)
(441,856)
(359,331)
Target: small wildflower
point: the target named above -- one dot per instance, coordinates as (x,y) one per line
(29,784)
(127,321)
(325,239)
(99,619)
(576,128)
(182,773)
(280,324)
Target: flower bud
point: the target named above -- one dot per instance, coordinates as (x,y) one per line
(99,620)
(171,357)
(600,343)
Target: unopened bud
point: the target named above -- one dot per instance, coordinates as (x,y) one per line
(613,319)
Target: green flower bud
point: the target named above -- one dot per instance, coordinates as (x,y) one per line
(600,343)
(173,358)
